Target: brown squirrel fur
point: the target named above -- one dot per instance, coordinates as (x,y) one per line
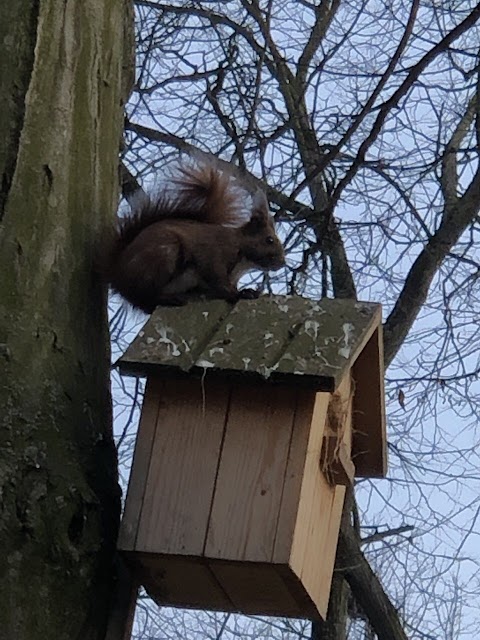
(176,245)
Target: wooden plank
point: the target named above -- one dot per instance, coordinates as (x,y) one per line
(183,467)
(309,490)
(236,347)
(330,340)
(321,544)
(141,462)
(335,458)
(369,445)
(251,474)
(256,589)
(294,475)
(329,552)
(181,582)
(317,570)
(317,566)
(293,583)
(173,337)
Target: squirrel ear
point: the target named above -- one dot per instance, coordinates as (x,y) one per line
(260,208)
(259,216)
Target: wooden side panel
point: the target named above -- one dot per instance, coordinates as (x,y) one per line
(311,478)
(335,458)
(141,462)
(306,605)
(369,446)
(183,467)
(251,475)
(181,582)
(317,565)
(318,518)
(324,579)
(321,545)
(294,476)
(256,589)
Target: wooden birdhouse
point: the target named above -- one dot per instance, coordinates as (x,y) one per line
(255,418)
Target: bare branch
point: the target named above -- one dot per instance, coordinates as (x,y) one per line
(324,14)
(129,185)
(367,108)
(381,535)
(423,270)
(449,177)
(214,19)
(366,587)
(392,102)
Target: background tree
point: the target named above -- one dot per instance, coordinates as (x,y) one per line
(61,92)
(363,119)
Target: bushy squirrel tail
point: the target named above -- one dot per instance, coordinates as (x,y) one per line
(199,192)
(206,194)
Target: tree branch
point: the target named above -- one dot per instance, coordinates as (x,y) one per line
(449,177)
(367,108)
(250,180)
(423,270)
(343,284)
(381,535)
(366,587)
(392,102)
(214,19)
(300,210)
(130,186)
(324,14)
(458,214)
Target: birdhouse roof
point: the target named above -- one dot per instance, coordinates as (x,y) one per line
(277,338)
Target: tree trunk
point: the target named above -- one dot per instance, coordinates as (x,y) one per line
(335,626)
(63,70)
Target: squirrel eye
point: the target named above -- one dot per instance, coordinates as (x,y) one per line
(269,240)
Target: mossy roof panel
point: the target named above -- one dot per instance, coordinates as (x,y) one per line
(278,338)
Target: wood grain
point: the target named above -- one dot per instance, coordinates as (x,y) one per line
(140,465)
(183,468)
(255,588)
(318,559)
(294,475)
(369,445)
(330,548)
(251,475)
(182,582)
(309,490)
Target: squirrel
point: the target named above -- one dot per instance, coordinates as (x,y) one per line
(191,239)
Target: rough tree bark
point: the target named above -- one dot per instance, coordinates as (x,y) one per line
(64,69)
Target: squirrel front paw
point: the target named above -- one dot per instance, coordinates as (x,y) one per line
(248,294)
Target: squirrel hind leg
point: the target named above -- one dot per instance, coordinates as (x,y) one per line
(146,269)
(173,300)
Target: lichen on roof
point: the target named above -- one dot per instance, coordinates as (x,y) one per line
(276,338)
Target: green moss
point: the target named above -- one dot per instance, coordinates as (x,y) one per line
(58,482)
(18,23)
